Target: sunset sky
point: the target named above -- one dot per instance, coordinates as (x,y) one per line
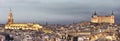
(57,11)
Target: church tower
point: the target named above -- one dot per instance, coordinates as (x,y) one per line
(10,17)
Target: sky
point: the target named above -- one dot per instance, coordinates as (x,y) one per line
(57,11)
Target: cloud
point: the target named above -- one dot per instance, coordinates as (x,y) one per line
(57,10)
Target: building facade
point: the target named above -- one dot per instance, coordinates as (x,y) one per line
(28,26)
(103,19)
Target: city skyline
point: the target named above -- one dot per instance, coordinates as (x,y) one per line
(59,20)
(56,12)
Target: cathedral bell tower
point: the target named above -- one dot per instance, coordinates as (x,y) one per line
(10,17)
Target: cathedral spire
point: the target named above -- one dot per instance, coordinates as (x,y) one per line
(10,12)
(10,17)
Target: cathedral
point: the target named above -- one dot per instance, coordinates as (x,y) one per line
(103,19)
(29,26)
